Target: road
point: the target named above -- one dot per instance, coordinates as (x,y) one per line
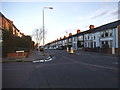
(78,70)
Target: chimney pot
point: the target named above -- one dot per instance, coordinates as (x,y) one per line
(70,34)
(78,31)
(64,36)
(91,27)
(60,38)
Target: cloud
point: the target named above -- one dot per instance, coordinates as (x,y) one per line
(100,14)
(99,17)
(105,12)
(95,15)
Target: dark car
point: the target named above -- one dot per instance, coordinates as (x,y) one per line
(60,48)
(41,48)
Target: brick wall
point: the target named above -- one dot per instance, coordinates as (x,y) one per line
(18,55)
(102,50)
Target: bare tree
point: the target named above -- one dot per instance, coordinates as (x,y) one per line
(38,35)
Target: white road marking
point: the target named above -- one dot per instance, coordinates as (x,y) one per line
(46,60)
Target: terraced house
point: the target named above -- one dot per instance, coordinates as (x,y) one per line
(105,38)
(6,24)
(12,40)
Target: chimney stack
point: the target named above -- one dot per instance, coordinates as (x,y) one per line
(64,36)
(60,38)
(78,31)
(91,27)
(70,34)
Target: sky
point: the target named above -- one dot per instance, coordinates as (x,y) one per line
(64,17)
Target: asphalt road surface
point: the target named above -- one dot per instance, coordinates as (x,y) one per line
(79,70)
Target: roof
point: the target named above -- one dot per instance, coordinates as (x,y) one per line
(5,18)
(104,27)
(100,28)
(9,21)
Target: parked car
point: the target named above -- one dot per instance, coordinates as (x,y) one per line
(41,48)
(60,48)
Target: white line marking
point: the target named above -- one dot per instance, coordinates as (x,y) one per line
(48,59)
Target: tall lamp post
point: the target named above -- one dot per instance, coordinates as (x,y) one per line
(43,26)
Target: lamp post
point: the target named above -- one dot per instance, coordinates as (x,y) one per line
(43,26)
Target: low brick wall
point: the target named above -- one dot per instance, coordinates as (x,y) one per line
(17,55)
(102,50)
(117,51)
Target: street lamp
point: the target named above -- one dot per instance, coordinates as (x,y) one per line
(43,26)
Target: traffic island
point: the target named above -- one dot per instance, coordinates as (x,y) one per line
(42,60)
(44,57)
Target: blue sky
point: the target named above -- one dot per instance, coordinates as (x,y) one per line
(65,16)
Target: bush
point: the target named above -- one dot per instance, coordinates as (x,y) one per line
(12,43)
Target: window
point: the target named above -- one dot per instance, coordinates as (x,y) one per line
(91,37)
(94,44)
(70,40)
(74,44)
(94,37)
(81,38)
(102,43)
(102,34)
(110,34)
(106,42)
(65,41)
(74,39)
(91,45)
(106,34)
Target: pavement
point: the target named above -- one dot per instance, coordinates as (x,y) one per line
(30,58)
